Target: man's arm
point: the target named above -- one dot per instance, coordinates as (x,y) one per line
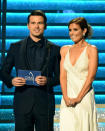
(5,72)
(55,79)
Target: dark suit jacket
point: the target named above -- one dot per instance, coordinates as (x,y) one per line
(27,96)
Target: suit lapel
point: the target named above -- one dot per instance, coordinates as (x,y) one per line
(23,57)
(46,58)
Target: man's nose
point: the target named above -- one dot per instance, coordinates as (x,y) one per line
(36,25)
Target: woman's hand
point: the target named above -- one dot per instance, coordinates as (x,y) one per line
(71,102)
(74,101)
(67,101)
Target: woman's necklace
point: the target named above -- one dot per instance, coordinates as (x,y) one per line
(79,46)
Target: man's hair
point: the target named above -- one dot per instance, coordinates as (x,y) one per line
(38,13)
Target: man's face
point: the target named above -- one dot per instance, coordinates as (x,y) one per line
(36,26)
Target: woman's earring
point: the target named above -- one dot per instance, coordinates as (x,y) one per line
(83,35)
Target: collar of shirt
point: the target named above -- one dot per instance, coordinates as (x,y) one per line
(32,43)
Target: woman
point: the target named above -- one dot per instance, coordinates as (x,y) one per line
(78,68)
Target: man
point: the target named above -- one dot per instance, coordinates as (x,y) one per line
(33,104)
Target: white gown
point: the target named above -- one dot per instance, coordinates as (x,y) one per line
(82,117)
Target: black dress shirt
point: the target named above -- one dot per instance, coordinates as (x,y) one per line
(35,53)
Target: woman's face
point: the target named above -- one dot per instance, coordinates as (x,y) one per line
(75,32)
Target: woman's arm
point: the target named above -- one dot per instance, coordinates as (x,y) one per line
(93,63)
(63,75)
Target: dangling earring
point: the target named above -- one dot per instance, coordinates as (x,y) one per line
(84,35)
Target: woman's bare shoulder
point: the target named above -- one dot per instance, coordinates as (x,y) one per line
(64,49)
(92,49)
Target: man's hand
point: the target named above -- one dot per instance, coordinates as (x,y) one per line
(41,80)
(18,81)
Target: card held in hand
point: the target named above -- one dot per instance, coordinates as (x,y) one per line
(29,76)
